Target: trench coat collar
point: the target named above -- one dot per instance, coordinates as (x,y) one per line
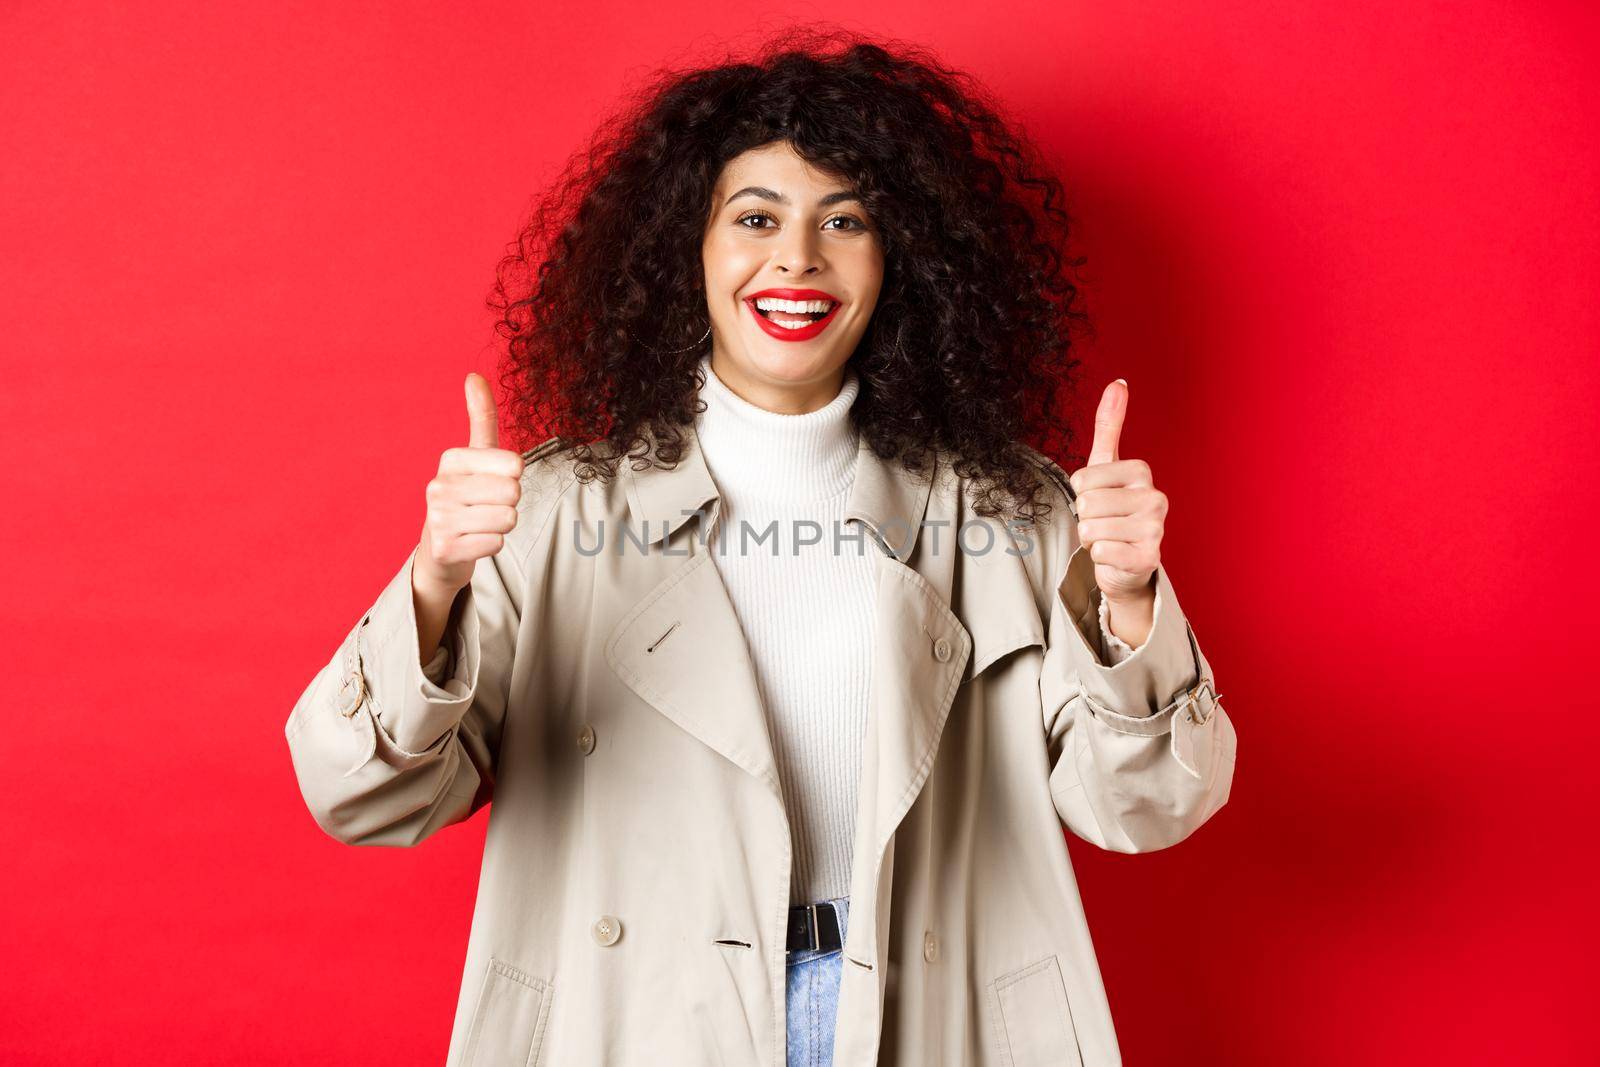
(890,500)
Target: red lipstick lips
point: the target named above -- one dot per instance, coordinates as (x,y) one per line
(800,333)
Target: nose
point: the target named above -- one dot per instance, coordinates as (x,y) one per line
(798,255)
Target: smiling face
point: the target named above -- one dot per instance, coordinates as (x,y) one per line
(793,267)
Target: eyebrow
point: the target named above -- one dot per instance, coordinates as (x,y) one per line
(779,198)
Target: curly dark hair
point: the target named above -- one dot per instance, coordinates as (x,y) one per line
(969,342)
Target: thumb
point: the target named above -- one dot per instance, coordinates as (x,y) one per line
(1108,422)
(481,417)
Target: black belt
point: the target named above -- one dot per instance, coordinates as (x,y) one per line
(814,926)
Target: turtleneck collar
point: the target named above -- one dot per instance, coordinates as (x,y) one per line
(769,455)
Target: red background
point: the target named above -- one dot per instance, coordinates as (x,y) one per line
(1344,253)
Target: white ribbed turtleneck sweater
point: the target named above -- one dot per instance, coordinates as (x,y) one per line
(806,609)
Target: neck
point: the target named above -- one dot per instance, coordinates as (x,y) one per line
(770,455)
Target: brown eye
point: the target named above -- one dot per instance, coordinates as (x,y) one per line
(753,215)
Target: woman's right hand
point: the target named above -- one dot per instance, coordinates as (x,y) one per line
(472,501)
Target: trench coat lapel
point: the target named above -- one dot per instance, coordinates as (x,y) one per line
(919,652)
(681,648)
(919,656)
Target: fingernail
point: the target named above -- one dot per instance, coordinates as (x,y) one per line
(1124,381)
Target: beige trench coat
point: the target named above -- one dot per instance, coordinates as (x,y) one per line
(634,893)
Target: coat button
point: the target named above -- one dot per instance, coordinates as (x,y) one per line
(941,650)
(351,693)
(607,929)
(586,739)
(930,947)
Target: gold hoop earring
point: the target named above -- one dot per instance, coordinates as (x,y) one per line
(670,351)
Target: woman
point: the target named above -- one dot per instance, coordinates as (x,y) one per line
(781,718)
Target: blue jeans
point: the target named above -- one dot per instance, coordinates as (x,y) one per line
(813,998)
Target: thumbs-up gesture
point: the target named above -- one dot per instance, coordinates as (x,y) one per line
(472,501)
(1121,517)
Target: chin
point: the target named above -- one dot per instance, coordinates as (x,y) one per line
(793,366)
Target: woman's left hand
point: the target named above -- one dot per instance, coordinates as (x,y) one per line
(1121,517)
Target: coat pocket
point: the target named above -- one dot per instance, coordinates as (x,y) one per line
(1033,1018)
(508,1024)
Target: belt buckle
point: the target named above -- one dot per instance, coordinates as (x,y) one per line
(813,927)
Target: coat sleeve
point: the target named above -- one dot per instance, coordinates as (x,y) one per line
(1141,751)
(383,754)
(388,750)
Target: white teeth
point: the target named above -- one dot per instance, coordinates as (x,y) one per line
(798,307)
